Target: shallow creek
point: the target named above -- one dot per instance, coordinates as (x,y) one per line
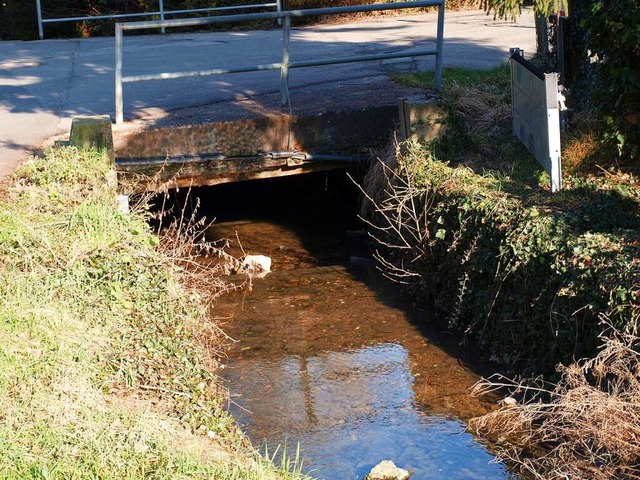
(328,357)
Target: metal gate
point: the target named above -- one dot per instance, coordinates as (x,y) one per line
(162,13)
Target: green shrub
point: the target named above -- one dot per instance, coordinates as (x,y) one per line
(523,274)
(612,32)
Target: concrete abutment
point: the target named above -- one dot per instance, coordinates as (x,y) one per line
(168,157)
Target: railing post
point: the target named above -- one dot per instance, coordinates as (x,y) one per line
(284,69)
(439,45)
(39,12)
(162,29)
(118,71)
(279,8)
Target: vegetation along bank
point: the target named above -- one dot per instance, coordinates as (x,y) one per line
(467,223)
(543,283)
(108,360)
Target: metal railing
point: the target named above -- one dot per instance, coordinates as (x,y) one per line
(286,63)
(162,13)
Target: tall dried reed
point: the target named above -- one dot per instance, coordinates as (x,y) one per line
(587,425)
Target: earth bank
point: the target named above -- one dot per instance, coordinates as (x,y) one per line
(536,280)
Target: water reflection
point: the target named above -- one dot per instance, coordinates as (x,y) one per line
(337,363)
(350,410)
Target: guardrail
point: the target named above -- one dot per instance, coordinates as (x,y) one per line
(286,63)
(535,107)
(161,12)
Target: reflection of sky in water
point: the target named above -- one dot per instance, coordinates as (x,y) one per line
(351,410)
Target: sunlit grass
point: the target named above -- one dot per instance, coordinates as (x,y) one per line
(101,375)
(458,77)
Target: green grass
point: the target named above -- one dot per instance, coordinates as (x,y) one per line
(477,131)
(101,375)
(457,77)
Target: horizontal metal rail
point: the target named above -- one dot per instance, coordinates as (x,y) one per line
(276,66)
(296,155)
(286,64)
(161,12)
(307,12)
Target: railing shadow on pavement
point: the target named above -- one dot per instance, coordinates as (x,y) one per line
(285,64)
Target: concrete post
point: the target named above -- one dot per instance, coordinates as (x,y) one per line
(93,133)
(421,119)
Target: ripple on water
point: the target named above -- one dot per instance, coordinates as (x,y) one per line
(350,410)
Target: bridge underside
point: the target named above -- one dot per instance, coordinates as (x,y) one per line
(139,175)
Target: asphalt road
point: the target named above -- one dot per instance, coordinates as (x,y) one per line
(44,84)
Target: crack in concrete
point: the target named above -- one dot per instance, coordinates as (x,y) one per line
(71,79)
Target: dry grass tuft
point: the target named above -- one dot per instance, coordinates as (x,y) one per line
(579,150)
(396,209)
(376,181)
(200,267)
(485,111)
(184,245)
(585,426)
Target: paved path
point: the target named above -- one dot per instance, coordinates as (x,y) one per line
(43,84)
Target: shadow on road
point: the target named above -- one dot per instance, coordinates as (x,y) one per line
(70,78)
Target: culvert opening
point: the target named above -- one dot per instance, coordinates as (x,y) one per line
(299,221)
(326,356)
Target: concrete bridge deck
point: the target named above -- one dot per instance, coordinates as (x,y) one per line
(44,84)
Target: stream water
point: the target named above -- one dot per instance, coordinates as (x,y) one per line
(328,357)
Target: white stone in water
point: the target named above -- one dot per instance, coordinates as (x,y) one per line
(256,265)
(387,470)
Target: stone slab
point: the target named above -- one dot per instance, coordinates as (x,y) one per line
(421,118)
(337,132)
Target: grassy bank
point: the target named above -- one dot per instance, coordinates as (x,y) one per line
(108,359)
(523,273)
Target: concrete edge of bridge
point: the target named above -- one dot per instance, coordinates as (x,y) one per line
(166,157)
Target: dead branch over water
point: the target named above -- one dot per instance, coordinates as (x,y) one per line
(396,209)
(585,426)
